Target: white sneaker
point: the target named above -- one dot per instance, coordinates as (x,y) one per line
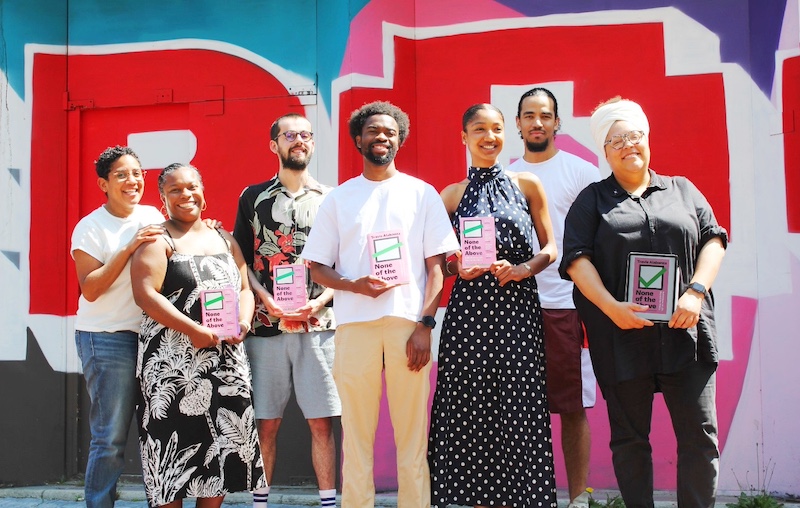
(582,501)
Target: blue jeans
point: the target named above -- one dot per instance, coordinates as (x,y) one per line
(109,366)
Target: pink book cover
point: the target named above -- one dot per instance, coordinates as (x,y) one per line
(478,247)
(652,281)
(220,311)
(388,256)
(289,286)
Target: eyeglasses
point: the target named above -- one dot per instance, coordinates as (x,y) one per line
(122,175)
(617,141)
(291,136)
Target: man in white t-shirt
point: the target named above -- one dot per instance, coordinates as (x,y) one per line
(570,378)
(384,322)
(107,323)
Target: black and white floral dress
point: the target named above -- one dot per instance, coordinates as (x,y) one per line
(490,427)
(197,434)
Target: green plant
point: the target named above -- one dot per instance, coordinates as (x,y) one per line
(760,500)
(611,502)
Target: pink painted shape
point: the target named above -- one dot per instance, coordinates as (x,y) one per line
(730,379)
(569,144)
(363,54)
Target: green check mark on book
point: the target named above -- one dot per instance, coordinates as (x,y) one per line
(214,300)
(387,249)
(285,275)
(473,228)
(647,283)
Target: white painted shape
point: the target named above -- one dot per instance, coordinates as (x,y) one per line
(14,223)
(56,338)
(159,149)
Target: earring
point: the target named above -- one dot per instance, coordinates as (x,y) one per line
(203,208)
(520,135)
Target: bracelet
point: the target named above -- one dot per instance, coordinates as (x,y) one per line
(528,267)
(246,325)
(447,270)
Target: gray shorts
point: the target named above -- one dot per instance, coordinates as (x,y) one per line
(304,360)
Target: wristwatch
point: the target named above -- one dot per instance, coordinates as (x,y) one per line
(428,321)
(696,286)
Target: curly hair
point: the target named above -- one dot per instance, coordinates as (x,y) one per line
(359,117)
(109,156)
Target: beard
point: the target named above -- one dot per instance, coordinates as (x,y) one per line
(379,160)
(297,162)
(537,147)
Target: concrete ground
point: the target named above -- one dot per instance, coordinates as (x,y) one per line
(131,495)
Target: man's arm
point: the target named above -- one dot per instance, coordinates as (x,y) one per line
(418,347)
(368,285)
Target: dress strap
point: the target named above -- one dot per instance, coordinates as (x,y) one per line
(227,244)
(170,240)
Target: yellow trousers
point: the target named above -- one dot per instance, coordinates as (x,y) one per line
(363,351)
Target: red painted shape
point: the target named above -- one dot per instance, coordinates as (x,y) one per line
(435,88)
(436,79)
(791,140)
(228,103)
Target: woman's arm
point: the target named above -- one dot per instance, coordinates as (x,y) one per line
(247,303)
(687,312)
(587,279)
(533,191)
(148,269)
(451,197)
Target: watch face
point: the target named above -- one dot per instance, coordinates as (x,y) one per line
(428,321)
(696,286)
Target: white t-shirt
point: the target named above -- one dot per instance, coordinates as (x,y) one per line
(360,206)
(563,176)
(100,235)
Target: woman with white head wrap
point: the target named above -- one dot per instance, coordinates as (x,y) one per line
(636,210)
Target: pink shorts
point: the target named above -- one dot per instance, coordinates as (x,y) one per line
(571,384)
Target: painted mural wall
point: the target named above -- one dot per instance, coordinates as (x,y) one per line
(719,80)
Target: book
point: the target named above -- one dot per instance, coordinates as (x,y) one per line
(653,281)
(478,244)
(388,256)
(289,287)
(220,311)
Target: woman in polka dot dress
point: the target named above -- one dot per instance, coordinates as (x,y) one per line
(490,428)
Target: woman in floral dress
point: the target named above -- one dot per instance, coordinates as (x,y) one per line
(197,434)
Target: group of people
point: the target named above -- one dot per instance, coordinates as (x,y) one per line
(512,344)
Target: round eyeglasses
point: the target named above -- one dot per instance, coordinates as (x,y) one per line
(617,141)
(291,136)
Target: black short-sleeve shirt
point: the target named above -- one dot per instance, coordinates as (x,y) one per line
(605,223)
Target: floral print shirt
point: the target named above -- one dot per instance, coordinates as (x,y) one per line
(271,229)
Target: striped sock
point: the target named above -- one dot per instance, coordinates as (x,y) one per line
(260,497)
(327,498)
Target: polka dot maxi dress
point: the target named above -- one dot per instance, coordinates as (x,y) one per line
(490,428)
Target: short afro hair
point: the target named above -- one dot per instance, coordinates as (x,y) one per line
(359,117)
(109,156)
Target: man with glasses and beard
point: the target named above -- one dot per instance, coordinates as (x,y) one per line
(570,378)
(289,347)
(384,325)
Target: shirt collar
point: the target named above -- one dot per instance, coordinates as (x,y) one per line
(274,187)
(657,182)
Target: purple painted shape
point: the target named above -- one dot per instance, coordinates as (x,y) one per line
(729,19)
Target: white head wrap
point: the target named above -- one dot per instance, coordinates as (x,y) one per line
(605,116)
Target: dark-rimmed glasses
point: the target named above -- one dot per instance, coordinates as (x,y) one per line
(617,141)
(291,136)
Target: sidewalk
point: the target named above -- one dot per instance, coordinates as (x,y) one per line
(131,495)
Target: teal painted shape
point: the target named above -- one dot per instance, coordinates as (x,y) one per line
(12,256)
(307,37)
(14,174)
